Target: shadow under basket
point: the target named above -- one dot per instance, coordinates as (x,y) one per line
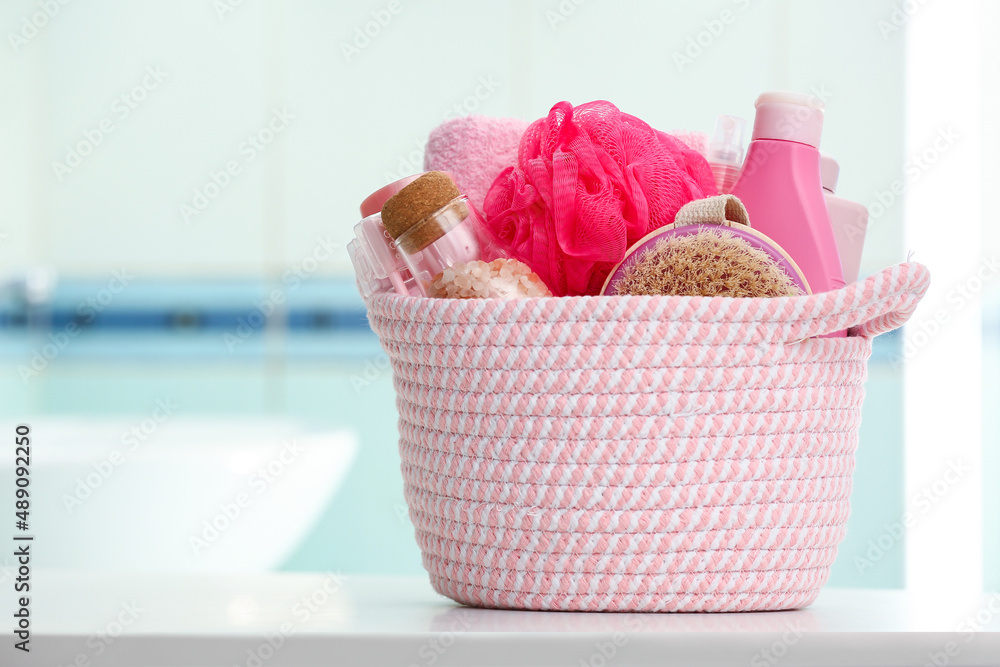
(634,453)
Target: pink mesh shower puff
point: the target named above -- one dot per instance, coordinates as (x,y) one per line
(590,181)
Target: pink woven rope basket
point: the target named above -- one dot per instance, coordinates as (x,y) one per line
(634,453)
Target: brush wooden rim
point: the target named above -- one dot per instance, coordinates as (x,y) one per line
(771,247)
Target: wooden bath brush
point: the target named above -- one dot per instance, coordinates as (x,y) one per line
(709,250)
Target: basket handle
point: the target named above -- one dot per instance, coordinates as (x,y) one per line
(882,302)
(725,210)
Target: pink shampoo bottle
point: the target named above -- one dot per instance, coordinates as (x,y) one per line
(781,188)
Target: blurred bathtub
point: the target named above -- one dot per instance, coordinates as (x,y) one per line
(168,493)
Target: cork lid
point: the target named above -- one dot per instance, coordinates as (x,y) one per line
(421,198)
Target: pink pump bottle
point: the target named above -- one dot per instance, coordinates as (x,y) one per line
(849,220)
(781,188)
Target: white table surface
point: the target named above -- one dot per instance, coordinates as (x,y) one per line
(128,620)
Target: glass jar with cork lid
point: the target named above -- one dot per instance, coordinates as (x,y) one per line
(433,226)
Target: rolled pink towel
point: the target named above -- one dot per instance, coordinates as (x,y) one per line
(474,150)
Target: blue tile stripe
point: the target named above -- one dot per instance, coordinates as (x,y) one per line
(328,305)
(328,308)
(165,320)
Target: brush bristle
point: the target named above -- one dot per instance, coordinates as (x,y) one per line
(712,262)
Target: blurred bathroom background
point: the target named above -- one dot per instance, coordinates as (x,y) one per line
(178,319)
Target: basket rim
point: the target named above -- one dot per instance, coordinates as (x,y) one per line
(880,303)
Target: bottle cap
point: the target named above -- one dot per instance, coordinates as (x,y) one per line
(374,202)
(829,171)
(789,117)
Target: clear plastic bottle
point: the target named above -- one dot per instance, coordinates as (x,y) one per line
(725,152)
(378,264)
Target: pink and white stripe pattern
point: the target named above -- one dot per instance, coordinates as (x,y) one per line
(634,453)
